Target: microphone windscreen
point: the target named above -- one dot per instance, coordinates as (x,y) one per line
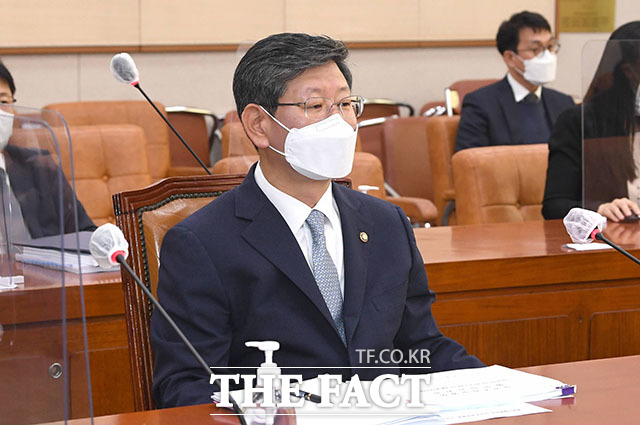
(124,68)
(105,241)
(580,223)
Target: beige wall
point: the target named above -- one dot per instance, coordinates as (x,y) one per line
(171,22)
(204,78)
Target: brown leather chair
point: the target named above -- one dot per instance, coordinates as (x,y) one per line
(408,167)
(197,126)
(235,141)
(126,112)
(500,183)
(107,159)
(441,133)
(145,216)
(367,171)
(455,93)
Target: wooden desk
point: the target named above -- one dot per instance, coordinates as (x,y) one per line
(608,392)
(31,342)
(509,292)
(513,295)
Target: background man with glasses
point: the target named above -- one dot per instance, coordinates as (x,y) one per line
(290,256)
(517,109)
(28,178)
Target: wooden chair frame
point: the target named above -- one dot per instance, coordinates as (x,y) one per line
(129,208)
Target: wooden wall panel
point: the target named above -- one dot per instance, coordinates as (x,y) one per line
(516,343)
(208,21)
(28,23)
(356,20)
(37,25)
(469,20)
(614,333)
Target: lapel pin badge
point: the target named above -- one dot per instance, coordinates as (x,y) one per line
(364,237)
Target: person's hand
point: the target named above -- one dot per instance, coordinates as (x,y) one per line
(618,209)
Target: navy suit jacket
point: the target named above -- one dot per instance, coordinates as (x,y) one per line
(234,272)
(489,115)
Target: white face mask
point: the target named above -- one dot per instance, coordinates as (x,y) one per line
(320,151)
(6,128)
(541,69)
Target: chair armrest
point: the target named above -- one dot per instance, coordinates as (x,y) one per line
(418,210)
(449,195)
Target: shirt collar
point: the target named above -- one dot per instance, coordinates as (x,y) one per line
(293,211)
(519,91)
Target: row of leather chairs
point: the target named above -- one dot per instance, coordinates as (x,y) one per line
(491,184)
(412,157)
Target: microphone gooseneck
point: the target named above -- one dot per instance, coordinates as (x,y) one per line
(597,234)
(124,70)
(109,247)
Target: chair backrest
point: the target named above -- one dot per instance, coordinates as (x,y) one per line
(234,164)
(500,183)
(441,133)
(235,141)
(125,112)
(407,163)
(145,216)
(458,90)
(107,159)
(197,127)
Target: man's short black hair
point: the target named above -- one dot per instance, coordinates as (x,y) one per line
(264,71)
(508,35)
(5,75)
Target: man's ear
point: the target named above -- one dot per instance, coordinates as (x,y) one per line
(509,58)
(254,122)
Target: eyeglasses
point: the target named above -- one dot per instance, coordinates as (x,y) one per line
(553,47)
(321,107)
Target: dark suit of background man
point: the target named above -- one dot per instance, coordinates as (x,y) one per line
(517,109)
(33,180)
(254,265)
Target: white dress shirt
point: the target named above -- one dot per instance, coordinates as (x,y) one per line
(520,91)
(295,214)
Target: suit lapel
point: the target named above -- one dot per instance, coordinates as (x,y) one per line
(510,111)
(270,235)
(356,256)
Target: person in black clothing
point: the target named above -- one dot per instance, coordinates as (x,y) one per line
(610,127)
(29,176)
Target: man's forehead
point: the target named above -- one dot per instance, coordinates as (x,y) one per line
(529,34)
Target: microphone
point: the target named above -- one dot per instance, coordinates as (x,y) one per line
(109,248)
(585,226)
(124,70)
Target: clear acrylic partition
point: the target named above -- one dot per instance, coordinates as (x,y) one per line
(44,374)
(611,141)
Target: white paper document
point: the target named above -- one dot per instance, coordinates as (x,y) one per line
(595,246)
(449,397)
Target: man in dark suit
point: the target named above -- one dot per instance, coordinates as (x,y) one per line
(29,181)
(517,109)
(332,274)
